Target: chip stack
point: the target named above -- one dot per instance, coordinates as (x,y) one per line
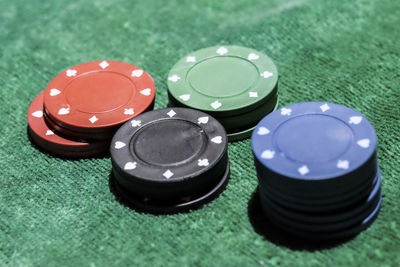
(236,85)
(82,107)
(170,160)
(317,168)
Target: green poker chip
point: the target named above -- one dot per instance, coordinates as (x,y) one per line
(236,85)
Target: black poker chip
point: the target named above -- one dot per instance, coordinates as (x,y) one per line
(170,160)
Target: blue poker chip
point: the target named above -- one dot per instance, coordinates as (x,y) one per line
(313,141)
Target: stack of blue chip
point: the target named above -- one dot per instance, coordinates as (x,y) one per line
(317,168)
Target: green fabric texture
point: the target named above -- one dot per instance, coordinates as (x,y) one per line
(55,211)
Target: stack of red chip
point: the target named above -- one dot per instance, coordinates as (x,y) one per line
(82,107)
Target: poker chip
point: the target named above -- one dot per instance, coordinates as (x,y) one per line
(93,99)
(236,85)
(317,169)
(48,140)
(170,160)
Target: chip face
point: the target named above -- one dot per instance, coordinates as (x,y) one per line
(223,79)
(49,140)
(98,95)
(169,145)
(313,141)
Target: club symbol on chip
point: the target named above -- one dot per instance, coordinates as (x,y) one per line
(71,72)
(266,74)
(364,143)
(168,174)
(37,114)
(355,119)
(137,73)
(104,64)
(63,111)
(174,78)
(136,123)
(222,51)
(262,131)
(286,111)
(119,145)
(130,166)
(303,170)
(324,107)
(202,120)
(268,154)
(129,111)
(343,164)
(54,92)
(252,56)
(203,162)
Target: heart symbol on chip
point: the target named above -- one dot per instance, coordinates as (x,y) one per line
(262,131)
(54,92)
(252,56)
(63,111)
(119,145)
(216,104)
(364,143)
(130,166)
(146,91)
(37,114)
(137,73)
(202,120)
(185,97)
(355,119)
(217,139)
(268,154)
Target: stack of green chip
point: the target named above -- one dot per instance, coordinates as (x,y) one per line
(236,85)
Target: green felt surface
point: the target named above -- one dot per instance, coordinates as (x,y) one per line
(62,211)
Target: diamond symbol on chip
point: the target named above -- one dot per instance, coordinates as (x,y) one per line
(63,111)
(253,56)
(71,72)
(216,104)
(286,111)
(355,119)
(203,162)
(174,78)
(343,164)
(136,123)
(49,132)
(119,145)
(168,174)
(222,51)
(324,107)
(303,170)
(262,131)
(202,120)
(253,94)
(129,111)
(93,119)
(137,73)
(364,143)
(130,165)
(37,114)
(104,64)
(267,74)
(171,113)
(191,59)
(268,154)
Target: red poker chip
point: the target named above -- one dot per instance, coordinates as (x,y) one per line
(48,140)
(93,99)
